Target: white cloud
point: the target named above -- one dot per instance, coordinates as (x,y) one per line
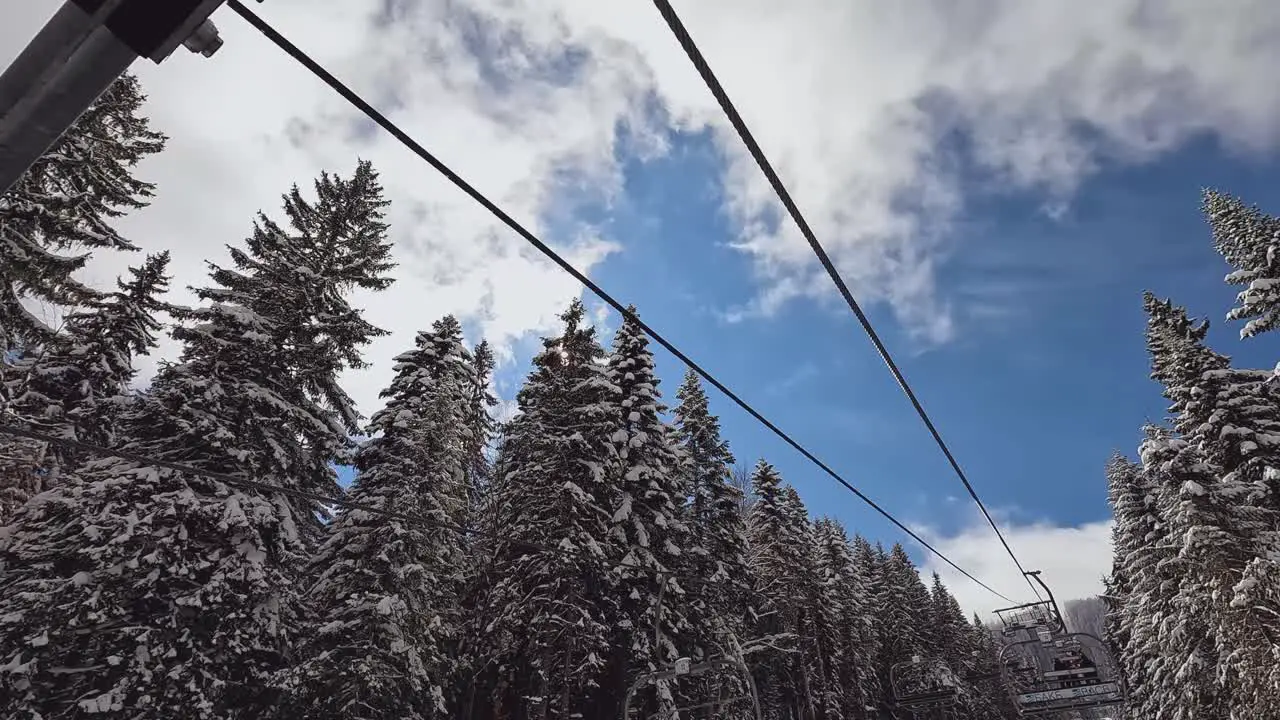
(1073,560)
(850,99)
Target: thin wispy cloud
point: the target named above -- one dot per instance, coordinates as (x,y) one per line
(802,373)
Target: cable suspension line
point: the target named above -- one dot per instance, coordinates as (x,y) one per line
(726,105)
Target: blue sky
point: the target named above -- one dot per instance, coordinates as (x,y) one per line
(1032,396)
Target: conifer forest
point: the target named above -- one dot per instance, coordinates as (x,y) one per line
(549,567)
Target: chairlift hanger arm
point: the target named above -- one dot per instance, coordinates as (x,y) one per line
(1035,575)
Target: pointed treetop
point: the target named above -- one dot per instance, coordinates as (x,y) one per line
(1175,342)
(142,295)
(1249,241)
(793,503)
(297,280)
(485,360)
(578,344)
(696,428)
(448,327)
(765,481)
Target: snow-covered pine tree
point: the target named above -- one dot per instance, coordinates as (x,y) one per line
(385,605)
(1221,512)
(716,551)
(994,694)
(810,615)
(648,514)
(65,204)
(844,629)
(89,363)
(647,520)
(481,429)
(60,209)
(75,386)
(867,569)
(1232,422)
(1232,415)
(481,425)
(957,646)
(480,649)
(949,627)
(718,537)
(1152,574)
(333,244)
(549,638)
(1129,533)
(1248,240)
(142,592)
(107,338)
(904,607)
(1181,648)
(299,278)
(776,552)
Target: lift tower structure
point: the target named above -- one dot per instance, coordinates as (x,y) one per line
(84,48)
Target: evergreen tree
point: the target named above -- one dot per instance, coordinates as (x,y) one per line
(480,424)
(949,627)
(776,561)
(298,278)
(1218,506)
(1248,240)
(994,695)
(78,383)
(962,651)
(550,635)
(647,514)
(869,571)
(142,592)
(903,607)
(67,389)
(1151,573)
(106,339)
(386,600)
(809,616)
(479,650)
(65,203)
(718,540)
(845,628)
(1230,415)
(481,429)
(1129,534)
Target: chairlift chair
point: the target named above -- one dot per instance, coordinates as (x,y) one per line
(1076,671)
(1037,618)
(683,668)
(923,683)
(731,665)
